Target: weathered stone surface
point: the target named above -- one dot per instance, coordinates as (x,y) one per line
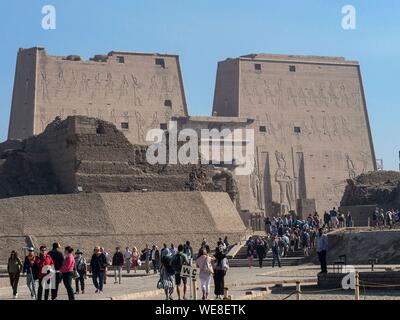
(91,155)
(111,219)
(380,187)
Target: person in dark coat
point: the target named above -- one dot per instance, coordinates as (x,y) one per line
(58,259)
(261,253)
(98,265)
(118,262)
(221,267)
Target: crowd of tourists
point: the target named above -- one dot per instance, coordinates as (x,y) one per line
(290,234)
(385,219)
(46,270)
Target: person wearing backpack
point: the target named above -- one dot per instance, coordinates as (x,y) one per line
(178,260)
(203,262)
(81,269)
(275,252)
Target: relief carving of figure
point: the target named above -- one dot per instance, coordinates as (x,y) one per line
(269,95)
(322,99)
(344,99)
(302,97)
(285,184)
(84,84)
(109,87)
(350,167)
(44,82)
(255,183)
(140,124)
(60,81)
(333,98)
(291,96)
(123,88)
(137,100)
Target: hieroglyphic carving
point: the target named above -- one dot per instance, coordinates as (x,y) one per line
(123,88)
(140,126)
(322,98)
(83,84)
(109,86)
(137,101)
(72,85)
(333,98)
(350,167)
(285,183)
(60,83)
(347,132)
(44,83)
(96,86)
(155,122)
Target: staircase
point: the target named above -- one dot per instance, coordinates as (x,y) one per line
(292,259)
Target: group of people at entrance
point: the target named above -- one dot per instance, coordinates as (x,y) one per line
(46,270)
(50,268)
(211,267)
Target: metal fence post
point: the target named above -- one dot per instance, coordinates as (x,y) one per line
(298,290)
(357,287)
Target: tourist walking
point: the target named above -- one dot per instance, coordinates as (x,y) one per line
(178,260)
(275,252)
(203,262)
(81,269)
(14,269)
(250,252)
(107,256)
(117,263)
(146,257)
(155,258)
(261,252)
(349,220)
(166,280)
(128,259)
(43,263)
(164,251)
(135,259)
(188,250)
(58,259)
(67,271)
(29,263)
(98,265)
(322,248)
(221,268)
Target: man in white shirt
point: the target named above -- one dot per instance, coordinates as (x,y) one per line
(128,259)
(322,248)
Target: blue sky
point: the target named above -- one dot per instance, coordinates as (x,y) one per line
(203,32)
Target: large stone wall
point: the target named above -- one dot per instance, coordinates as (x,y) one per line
(118,219)
(138,89)
(323,99)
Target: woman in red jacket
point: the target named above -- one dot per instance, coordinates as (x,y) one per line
(41,262)
(67,271)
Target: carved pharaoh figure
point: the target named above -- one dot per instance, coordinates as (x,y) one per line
(285,184)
